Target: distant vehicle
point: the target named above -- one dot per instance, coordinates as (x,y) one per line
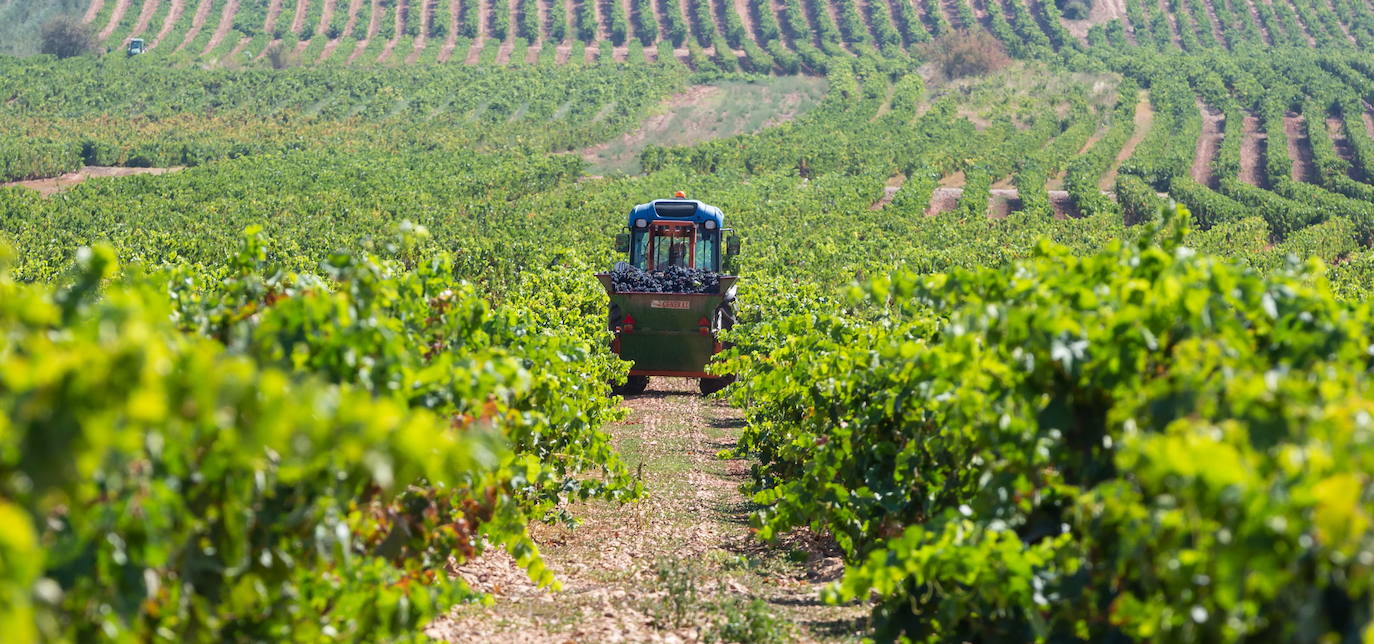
(672,332)
(136,47)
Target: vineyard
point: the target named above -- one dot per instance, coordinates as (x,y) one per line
(754,35)
(300,337)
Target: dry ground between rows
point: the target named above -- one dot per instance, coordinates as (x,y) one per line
(694,521)
(53,185)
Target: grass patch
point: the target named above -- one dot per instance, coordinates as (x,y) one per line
(706,112)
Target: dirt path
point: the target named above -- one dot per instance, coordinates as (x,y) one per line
(226,21)
(894,184)
(1253,147)
(687,545)
(475,51)
(121,6)
(197,23)
(273,10)
(1174,33)
(1102,11)
(1207,144)
(1306,30)
(741,8)
(1263,29)
(1368,123)
(421,40)
(298,22)
(54,185)
(451,41)
(92,11)
(173,15)
(1345,29)
(326,16)
(238,48)
(1299,149)
(1216,24)
(373,24)
(1335,128)
(144,17)
(1057,181)
(951,14)
(1144,118)
(402,13)
(333,44)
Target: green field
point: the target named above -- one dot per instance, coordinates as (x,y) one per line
(1051,327)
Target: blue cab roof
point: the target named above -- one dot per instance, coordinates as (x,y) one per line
(677,210)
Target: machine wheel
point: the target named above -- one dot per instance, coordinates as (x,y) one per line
(709,386)
(634,385)
(725,315)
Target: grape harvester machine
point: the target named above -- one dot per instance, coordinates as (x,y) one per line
(668,327)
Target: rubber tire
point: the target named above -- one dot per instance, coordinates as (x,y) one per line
(634,385)
(708,386)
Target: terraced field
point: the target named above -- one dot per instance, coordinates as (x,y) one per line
(755,35)
(1047,329)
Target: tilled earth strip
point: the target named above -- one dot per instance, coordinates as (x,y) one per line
(679,566)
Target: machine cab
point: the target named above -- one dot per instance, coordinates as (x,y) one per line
(674,232)
(136,47)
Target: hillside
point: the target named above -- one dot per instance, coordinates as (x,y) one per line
(324,321)
(758,35)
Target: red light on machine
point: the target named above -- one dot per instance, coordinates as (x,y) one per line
(628,325)
(680,194)
(704,326)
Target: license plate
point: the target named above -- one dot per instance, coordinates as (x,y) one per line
(670,304)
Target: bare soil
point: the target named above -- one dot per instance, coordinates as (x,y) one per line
(889,192)
(478,43)
(273,11)
(226,22)
(1299,149)
(1144,118)
(1062,205)
(121,6)
(504,51)
(1102,11)
(238,48)
(1057,181)
(1003,202)
(1254,15)
(1345,29)
(353,7)
(1306,32)
(197,23)
(144,17)
(373,24)
(1253,147)
(1335,128)
(402,10)
(694,523)
(173,15)
(451,41)
(943,200)
(1173,22)
(298,22)
(1214,21)
(92,11)
(563,53)
(1207,144)
(1368,123)
(54,185)
(951,14)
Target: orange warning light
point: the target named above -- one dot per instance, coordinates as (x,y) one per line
(680,194)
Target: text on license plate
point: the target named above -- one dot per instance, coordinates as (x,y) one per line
(670,304)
